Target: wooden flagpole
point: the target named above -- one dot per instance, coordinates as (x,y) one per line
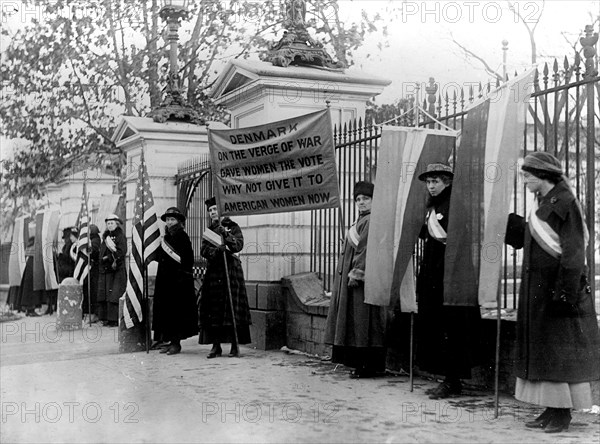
(497,357)
(89,253)
(145,299)
(235,334)
(410,357)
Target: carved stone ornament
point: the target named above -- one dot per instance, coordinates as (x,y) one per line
(174,105)
(297,46)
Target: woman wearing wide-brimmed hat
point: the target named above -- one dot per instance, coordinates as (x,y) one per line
(558,345)
(112,281)
(446,336)
(356,330)
(174,312)
(216,321)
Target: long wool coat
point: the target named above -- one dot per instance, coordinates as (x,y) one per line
(214,310)
(28,298)
(556,341)
(65,263)
(112,282)
(350,322)
(446,339)
(175,313)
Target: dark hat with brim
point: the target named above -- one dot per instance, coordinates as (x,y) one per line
(211,202)
(173,212)
(68,231)
(437,169)
(113,217)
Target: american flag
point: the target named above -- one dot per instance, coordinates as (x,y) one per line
(145,240)
(81,266)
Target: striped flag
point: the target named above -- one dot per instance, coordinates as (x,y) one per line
(16,261)
(145,240)
(398,211)
(81,264)
(486,161)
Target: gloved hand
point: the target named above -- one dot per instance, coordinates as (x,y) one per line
(222,248)
(220,229)
(353,283)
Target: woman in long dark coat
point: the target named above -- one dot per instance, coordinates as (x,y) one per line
(90,307)
(558,344)
(446,335)
(215,318)
(112,281)
(29,299)
(175,313)
(65,260)
(356,330)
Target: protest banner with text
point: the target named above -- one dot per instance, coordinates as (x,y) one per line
(278,167)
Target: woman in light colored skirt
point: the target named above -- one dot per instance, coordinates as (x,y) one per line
(558,344)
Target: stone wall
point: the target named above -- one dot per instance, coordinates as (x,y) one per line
(306,313)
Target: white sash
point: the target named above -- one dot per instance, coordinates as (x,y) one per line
(170,251)
(352,235)
(543,233)
(73,251)
(435,229)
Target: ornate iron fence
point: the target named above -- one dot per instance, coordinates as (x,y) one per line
(560,119)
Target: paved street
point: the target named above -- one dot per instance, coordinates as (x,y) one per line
(76,387)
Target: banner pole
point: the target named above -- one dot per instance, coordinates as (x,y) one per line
(89,261)
(235,335)
(497,357)
(145,297)
(342,221)
(410,357)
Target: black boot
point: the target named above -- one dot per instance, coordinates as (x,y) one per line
(559,421)
(541,421)
(174,348)
(215,351)
(234,352)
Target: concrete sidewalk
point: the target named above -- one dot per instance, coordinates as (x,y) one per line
(76,387)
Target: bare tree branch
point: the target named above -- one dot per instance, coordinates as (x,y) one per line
(469,53)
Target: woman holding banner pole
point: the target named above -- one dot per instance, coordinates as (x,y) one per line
(356,330)
(558,344)
(224,313)
(447,336)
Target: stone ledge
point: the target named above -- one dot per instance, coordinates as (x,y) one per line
(306,293)
(265,295)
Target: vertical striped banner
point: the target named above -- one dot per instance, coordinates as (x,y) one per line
(46,236)
(16,262)
(486,161)
(398,211)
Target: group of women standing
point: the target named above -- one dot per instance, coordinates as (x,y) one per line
(558,343)
(222,314)
(27,299)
